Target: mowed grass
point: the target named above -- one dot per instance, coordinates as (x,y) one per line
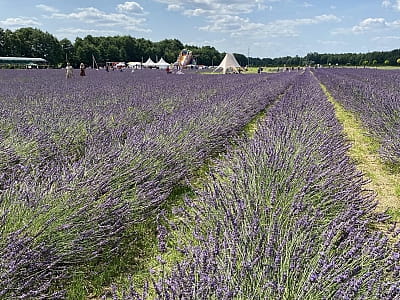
(384,178)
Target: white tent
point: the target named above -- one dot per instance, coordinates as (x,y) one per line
(162,64)
(149,63)
(229,63)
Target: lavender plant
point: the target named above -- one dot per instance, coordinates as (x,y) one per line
(83,160)
(284,216)
(374,96)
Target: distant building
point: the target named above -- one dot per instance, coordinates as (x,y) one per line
(23,62)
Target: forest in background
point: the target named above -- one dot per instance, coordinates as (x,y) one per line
(32,42)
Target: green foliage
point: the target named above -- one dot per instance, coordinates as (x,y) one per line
(138,249)
(395,214)
(30,42)
(208,56)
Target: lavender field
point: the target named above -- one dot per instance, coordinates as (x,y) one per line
(83,160)
(374,95)
(283,215)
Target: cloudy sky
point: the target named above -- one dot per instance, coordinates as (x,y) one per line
(261,28)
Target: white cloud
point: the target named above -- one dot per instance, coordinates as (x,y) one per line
(309,21)
(386,3)
(96,17)
(19,22)
(237,26)
(47,8)
(386,38)
(230,24)
(195,12)
(174,7)
(331,43)
(83,32)
(214,42)
(131,7)
(216,7)
(391,4)
(374,24)
(200,42)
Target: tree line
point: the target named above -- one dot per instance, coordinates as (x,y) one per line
(32,42)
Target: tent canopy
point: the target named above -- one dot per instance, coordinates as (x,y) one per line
(228,63)
(162,64)
(149,63)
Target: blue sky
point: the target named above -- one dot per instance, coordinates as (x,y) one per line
(262,28)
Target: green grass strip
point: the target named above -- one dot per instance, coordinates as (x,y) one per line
(384,179)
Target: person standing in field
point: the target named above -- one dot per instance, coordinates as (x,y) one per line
(69,71)
(82,67)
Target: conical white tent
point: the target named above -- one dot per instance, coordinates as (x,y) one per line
(149,63)
(162,64)
(228,63)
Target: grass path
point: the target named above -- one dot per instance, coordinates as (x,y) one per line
(384,179)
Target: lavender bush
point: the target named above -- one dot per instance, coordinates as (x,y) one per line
(284,216)
(373,95)
(84,159)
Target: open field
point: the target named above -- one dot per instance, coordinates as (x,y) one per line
(102,174)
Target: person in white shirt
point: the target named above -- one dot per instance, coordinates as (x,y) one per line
(69,71)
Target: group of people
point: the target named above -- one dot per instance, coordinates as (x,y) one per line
(70,70)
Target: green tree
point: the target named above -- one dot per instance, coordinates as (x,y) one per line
(103,48)
(398,61)
(313,58)
(168,49)
(207,55)
(241,59)
(144,49)
(85,50)
(6,42)
(128,44)
(3,42)
(30,42)
(68,50)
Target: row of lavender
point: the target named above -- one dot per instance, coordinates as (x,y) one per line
(284,216)
(81,160)
(375,96)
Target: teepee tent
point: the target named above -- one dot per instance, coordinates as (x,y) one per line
(228,63)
